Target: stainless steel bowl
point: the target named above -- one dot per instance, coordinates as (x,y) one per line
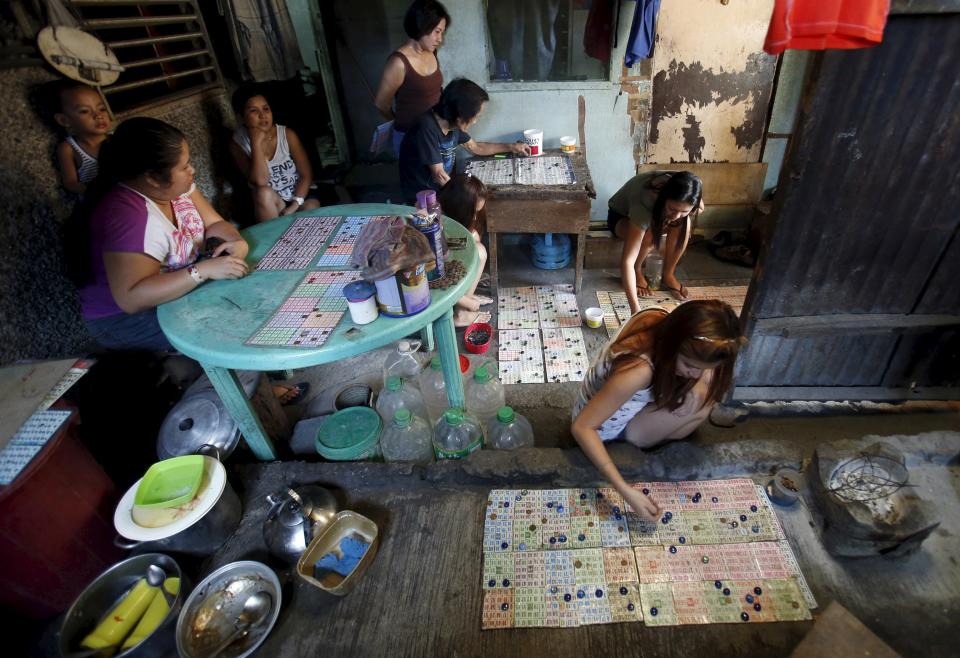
(103,593)
(210,614)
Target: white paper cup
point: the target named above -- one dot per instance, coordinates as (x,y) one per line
(594,317)
(534,139)
(568,144)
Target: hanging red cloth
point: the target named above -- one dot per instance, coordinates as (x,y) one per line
(822,24)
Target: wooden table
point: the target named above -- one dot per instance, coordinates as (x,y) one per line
(542,209)
(213,322)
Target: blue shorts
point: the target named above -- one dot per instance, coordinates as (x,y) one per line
(130,332)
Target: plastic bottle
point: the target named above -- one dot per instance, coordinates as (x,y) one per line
(509,430)
(434,391)
(428,222)
(399,394)
(407,439)
(403,362)
(456,435)
(653,268)
(433,208)
(484,396)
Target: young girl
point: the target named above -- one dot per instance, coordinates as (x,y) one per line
(271,158)
(83,114)
(412,80)
(656,381)
(640,212)
(429,149)
(463,199)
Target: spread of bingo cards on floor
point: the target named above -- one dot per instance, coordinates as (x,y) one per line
(525,355)
(571,557)
(309,314)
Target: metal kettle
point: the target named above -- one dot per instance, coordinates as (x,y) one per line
(296,516)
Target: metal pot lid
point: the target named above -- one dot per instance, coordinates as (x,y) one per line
(194,422)
(211,488)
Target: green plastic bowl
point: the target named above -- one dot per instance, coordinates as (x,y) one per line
(351,434)
(170,483)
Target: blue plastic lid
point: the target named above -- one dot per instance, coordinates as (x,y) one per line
(358,291)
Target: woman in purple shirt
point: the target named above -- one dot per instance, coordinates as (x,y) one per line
(145,223)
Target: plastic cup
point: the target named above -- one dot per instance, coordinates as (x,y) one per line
(568,144)
(593,317)
(534,139)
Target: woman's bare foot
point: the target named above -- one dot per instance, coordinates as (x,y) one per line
(643,287)
(463,318)
(672,284)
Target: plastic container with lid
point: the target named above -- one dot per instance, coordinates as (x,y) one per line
(403,362)
(361,301)
(456,435)
(399,393)
(484,396)
(434,391)
(351,434)
(407,439)
(509,430)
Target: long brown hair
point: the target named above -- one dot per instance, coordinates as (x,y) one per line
(705,330)
(458,200)
(682,186)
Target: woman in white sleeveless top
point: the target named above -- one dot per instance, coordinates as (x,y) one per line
(656,380)
(271,158)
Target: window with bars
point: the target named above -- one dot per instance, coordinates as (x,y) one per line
(163,45)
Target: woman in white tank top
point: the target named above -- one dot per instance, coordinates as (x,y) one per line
(656,380)
(271,158)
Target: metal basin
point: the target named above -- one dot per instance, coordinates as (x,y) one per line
(209,615)
(103,593)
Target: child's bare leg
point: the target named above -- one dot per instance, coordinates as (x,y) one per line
(267,204)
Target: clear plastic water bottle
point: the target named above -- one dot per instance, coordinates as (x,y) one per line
(399,394)
(484,396)
(403,362)
(509,430)
(434,391)
(653,268)
(406,439)
(456,435)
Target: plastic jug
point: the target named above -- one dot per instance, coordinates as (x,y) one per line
(509,430)
(407,439)
(403,362)
(456,435)
(434,391)
(399,394)
(653,265)
(484,396)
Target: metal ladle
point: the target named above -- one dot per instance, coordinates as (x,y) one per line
(255,610)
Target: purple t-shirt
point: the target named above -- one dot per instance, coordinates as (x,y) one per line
(126,221)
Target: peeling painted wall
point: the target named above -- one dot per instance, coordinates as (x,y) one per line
(711,82)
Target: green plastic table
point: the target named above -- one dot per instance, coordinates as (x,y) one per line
(212,323)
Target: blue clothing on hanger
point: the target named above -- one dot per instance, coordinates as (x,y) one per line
(642,32)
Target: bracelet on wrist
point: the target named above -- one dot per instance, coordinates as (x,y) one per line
(194,273)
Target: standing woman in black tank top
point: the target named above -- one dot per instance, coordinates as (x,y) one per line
(411,80)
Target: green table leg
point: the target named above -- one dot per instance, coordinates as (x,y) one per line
(231,392)
(426,335)
(446,336)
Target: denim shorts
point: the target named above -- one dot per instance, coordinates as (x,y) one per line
(130,332)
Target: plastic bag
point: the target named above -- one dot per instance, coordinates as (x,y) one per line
(388,246)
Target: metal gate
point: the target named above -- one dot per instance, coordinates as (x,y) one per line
(857,293)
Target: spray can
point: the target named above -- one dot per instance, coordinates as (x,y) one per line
(427,221)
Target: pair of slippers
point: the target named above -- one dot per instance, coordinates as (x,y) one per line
(680,294)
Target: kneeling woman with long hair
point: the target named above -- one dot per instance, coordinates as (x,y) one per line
(656,381)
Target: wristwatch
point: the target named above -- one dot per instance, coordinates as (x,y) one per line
(299,200)
(194,273)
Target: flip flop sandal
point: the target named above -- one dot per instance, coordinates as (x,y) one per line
(681,293)
(301,393)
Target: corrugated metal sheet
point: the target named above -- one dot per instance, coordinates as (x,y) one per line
(869,214)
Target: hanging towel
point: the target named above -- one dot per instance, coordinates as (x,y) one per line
(822,24)
(642,32)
